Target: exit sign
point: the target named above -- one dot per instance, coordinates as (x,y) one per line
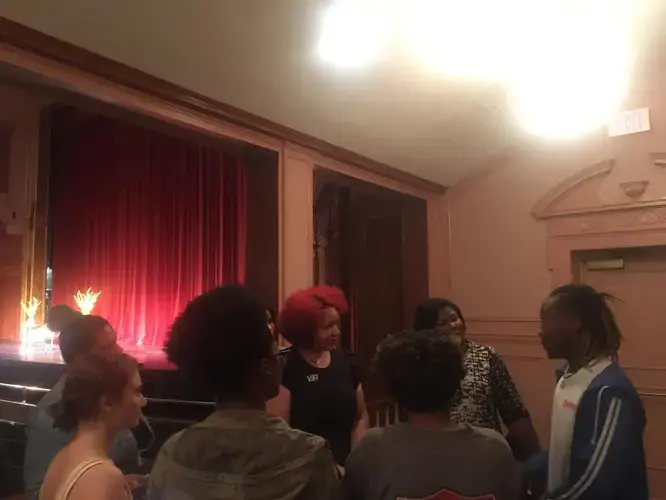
(629,122)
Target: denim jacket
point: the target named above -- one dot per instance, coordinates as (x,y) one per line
(45,442)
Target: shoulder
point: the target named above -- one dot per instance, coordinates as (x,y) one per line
(492,443)
(476,349)
(490,436)
(167,448)
(296,446)
(612,382)
(373,436)
(101,481)
(367,446)
(614,376)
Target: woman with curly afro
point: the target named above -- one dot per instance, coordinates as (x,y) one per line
(321,390)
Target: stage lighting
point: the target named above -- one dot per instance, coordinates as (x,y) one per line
(32,335)
(30,308)
(353,32)
(86,301)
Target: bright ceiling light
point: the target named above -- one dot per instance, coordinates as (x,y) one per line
(474,39)
(353,32)
(575,73)
(567,101)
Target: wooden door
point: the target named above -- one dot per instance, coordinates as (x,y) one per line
(639,284)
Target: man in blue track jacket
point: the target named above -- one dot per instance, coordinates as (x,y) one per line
(596,441)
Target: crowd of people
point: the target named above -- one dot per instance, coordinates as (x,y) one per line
(292,423)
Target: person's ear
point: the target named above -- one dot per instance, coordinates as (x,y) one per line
(105,405)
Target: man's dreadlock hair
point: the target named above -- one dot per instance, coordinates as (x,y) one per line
(600,332)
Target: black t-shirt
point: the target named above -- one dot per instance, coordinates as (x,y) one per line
(323,400)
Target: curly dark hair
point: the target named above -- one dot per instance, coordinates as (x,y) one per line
(78,337)
(422,369)
(219,338)
(87,381)
(60,317)
(427,313)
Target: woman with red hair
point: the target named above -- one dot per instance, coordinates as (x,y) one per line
(321,390)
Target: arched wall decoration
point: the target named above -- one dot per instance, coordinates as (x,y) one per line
(546,207)
(599,226)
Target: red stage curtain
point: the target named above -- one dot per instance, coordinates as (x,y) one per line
(149,219)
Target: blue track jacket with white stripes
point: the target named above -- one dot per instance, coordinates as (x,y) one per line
(607,455)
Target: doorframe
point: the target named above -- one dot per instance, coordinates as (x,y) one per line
(601,227)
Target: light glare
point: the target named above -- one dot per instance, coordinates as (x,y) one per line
(568,86)
(470,39)
(353,32)
(565,64)
(86,301)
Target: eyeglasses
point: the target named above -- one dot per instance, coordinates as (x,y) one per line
(281,356)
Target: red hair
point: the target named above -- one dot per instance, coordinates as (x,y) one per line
(303,312)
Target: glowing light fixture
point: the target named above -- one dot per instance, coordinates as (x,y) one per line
(31,334)
(577,75)
(565,64)
(86,301)
(475,39)
(30,308)
(353,32)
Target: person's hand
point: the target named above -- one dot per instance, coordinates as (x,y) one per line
(136,481)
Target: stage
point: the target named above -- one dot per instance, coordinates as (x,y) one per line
(40,366)
(150,358)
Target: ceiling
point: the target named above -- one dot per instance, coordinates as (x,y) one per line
(259,55)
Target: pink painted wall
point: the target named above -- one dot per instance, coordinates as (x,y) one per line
(497,248)
(512,229)
(496,243)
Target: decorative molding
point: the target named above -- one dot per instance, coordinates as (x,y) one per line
(543,208)
(652,392)
(32,44)
(523,357)
(659,159)
(644,368)
(634,189)
(486,338)
(619,219)
(500,319)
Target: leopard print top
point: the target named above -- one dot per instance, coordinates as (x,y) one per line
(488,396)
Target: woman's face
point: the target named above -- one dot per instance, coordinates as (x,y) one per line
(124,412)
(450,323)
(328,334)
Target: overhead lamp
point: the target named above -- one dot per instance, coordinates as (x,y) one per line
(576,73)
(473,39)
(353,32)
